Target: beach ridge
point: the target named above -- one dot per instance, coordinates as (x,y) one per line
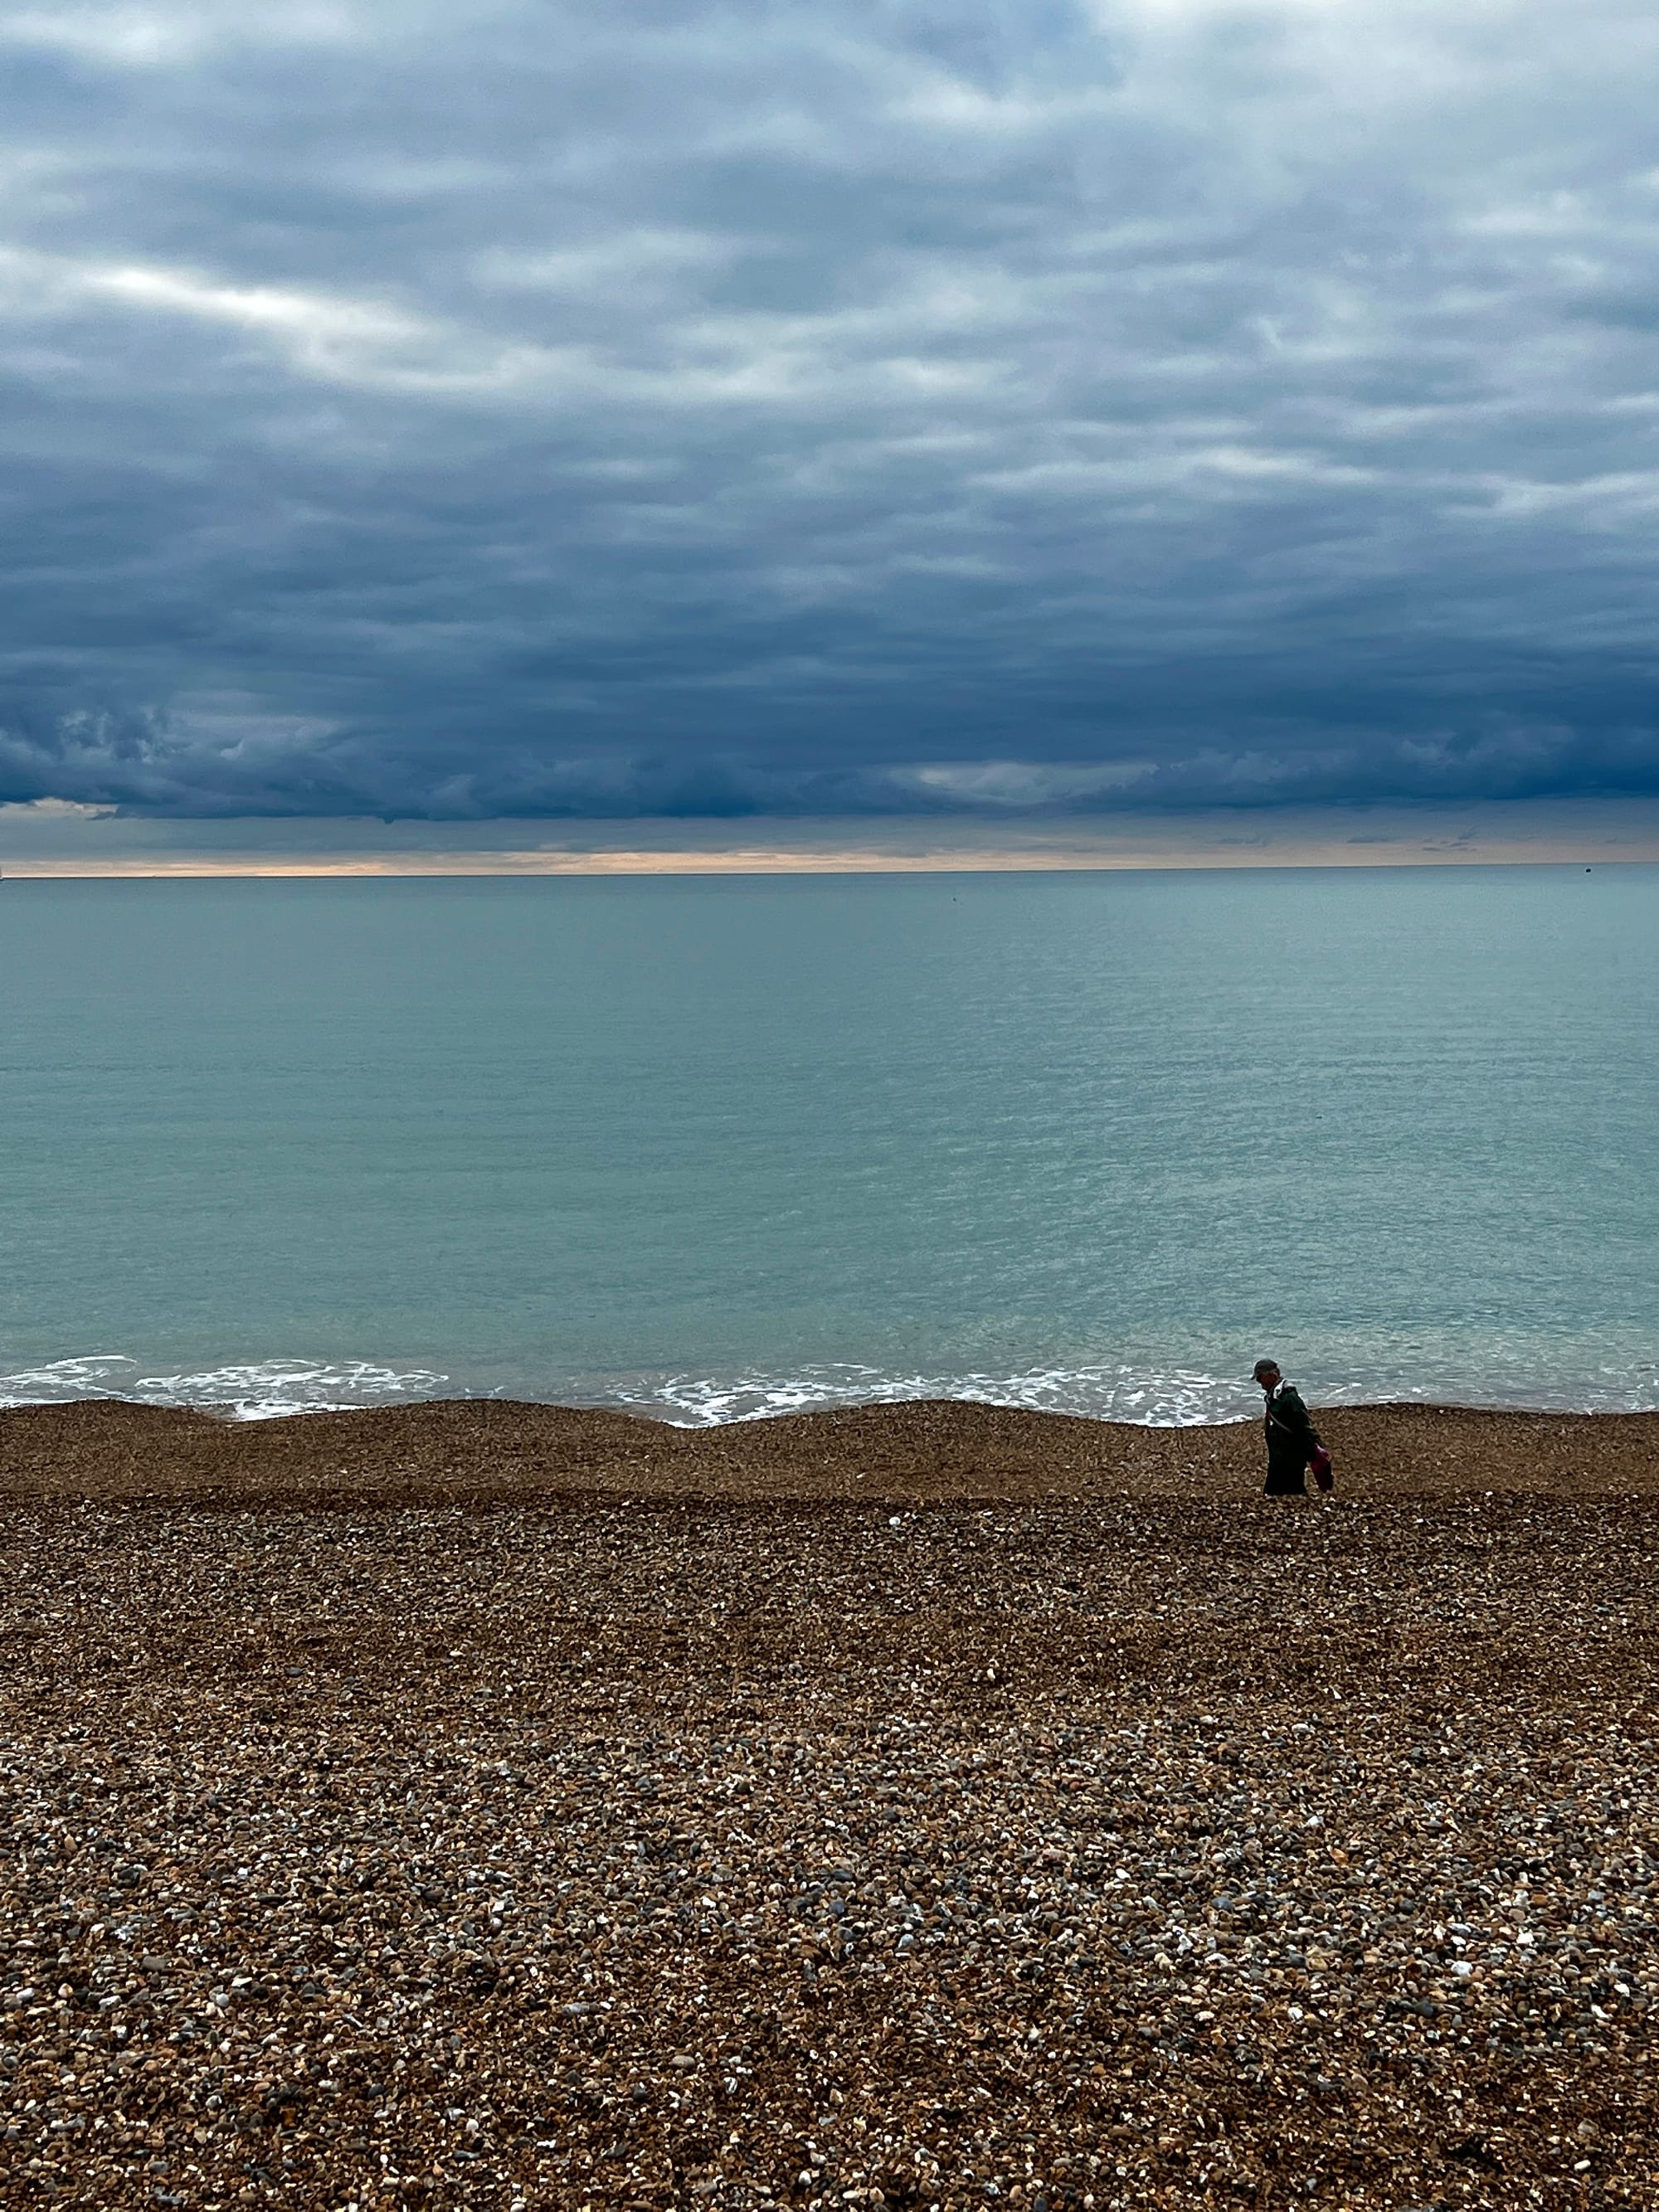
(910,1451)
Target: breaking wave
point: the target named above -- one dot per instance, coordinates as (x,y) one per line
(1182,1397)
(260,1392)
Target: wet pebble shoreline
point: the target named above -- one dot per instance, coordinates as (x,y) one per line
(683,1853)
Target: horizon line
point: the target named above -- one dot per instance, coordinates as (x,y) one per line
(762,861)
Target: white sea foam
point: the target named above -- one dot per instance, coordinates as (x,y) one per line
(1118,1394)
(1180,1397)
(97,1375)
(258,1391)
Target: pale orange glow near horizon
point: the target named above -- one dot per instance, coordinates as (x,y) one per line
(760,861)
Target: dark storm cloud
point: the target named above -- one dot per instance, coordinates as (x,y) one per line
(567,409)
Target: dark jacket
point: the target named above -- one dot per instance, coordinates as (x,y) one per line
(1291,1441)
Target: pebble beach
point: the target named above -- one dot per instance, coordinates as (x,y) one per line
(479,1806)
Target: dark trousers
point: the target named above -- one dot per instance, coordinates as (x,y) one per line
(1286,1478)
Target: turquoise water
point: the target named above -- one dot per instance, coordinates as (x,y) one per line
(716,1147)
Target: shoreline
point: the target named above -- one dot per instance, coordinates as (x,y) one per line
(912,1451)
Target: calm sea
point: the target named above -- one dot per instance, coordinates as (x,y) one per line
(720,1147)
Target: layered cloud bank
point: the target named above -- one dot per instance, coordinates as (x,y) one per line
(568,410)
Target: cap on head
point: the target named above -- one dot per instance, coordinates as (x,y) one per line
(1265,1367)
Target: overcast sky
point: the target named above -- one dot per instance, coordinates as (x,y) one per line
(567,409)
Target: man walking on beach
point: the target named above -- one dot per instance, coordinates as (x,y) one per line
(1293,1439)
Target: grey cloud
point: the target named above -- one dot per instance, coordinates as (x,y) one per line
(575,410)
